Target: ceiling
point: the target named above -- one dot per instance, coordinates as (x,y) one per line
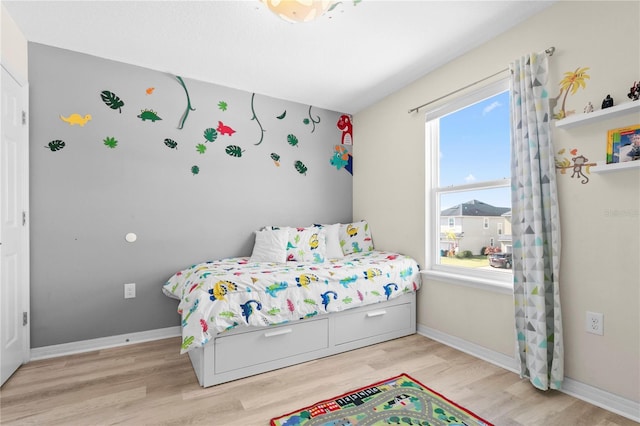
(351,57)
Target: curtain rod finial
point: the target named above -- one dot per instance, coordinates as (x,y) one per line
(550,51)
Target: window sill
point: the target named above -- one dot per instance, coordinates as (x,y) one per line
(487,284)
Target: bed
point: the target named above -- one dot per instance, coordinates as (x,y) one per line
(304,293)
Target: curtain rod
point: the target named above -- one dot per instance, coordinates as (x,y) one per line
(548,51)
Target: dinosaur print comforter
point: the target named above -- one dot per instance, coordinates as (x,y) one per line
(220,295)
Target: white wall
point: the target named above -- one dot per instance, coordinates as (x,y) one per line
(13,47)
(600,226)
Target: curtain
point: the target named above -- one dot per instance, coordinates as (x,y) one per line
(535,226)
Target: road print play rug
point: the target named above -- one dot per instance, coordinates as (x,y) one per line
(400,400)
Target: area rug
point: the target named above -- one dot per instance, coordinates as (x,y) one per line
(400,400)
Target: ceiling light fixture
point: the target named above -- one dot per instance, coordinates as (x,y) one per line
(298,10)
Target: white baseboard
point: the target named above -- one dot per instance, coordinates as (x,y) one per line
(598,397)
(71,348)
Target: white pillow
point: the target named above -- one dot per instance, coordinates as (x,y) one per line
(270,246)
(332,240)
(306,245)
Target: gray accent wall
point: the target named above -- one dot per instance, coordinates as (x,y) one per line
(87,196)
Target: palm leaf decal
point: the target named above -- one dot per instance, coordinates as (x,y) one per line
(210,134)
(292,140)
(111,100)
(300,167)
(55,145)
(234,150)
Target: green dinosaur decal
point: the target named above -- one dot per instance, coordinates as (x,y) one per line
(110,142)
(148,114)
(55,145)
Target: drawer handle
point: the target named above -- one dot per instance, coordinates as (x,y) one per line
(376,313)
(278,332)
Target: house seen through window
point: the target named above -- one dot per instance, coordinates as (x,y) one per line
(468,184)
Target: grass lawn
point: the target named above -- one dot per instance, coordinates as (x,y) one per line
(472,262)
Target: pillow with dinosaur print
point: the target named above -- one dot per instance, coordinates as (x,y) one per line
(306,245)
(355,237)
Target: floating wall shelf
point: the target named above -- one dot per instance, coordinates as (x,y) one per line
(602,167)
(599,115)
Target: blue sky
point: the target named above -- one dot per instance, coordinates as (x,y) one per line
(474,147)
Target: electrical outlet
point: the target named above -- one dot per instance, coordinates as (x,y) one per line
(130,291)
(595,323)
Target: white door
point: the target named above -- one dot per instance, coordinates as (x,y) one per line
(14,232)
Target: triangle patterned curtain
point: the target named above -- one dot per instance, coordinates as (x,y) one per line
(535,226)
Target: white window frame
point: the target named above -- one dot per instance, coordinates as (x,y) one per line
(497,281)
(485,223)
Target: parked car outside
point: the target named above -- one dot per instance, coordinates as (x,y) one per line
(501,260)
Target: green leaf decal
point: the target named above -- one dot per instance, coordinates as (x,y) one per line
(195,170)
(110,142)
(201,148)
(56,145)
(276,158)
(301,168)
(292,140)
(187,342)
(234,150)
(210,134)
(222,105)
(111,100)
(283,115)
(171,143)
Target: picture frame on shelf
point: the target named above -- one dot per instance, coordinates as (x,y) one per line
(623,144)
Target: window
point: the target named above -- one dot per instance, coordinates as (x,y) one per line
(469,198)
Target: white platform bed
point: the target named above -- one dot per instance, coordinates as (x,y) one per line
(247,315)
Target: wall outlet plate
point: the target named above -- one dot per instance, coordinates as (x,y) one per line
(130,290)
(595,323)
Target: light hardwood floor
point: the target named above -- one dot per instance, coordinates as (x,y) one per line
(151,384)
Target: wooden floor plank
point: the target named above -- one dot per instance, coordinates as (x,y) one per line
(152,384)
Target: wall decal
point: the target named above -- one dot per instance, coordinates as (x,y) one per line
(234,150)
(110,142)
(576,164)
(150,90)
(189,107)
(344,124)
(201,148)
(78,119)
(255,117)
(195,170)
(311,120)
(147,114)
(276,159)
(571,82)
(283,115)
(111,100)
(222,106)
(210,134)
(342,158)
(55,145)
(225,130)
(292,140)
(300,167)
(171,143)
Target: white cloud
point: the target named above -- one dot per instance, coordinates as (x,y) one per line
(491,107)
(470,178)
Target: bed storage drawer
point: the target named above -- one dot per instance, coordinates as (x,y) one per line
(269,344)
(375,321)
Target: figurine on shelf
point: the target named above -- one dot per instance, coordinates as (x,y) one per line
(634,92)
(607,102)
(588,107)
